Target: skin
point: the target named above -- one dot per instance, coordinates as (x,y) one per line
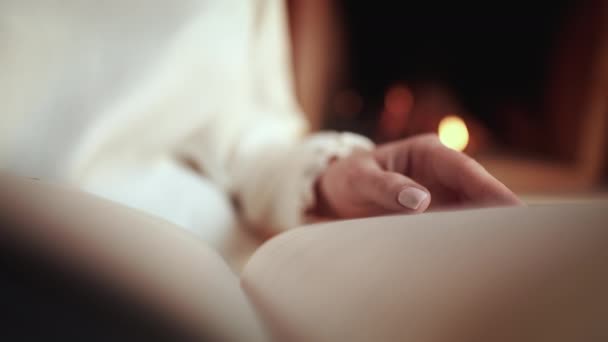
(525,274)
(502,274)
(150,261)
(368,183)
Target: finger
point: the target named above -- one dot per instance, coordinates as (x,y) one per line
(463,175)
(393,192)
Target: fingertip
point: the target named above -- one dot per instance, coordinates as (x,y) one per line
(414,199)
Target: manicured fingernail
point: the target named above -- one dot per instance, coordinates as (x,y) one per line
(412,197)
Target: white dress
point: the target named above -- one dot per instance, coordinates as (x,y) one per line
(118,96)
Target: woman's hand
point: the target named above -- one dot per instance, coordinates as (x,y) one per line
(407,176)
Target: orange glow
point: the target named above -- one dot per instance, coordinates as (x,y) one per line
(453,133)
(399,100)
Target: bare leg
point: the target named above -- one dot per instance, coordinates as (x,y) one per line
(506,274)
(156,264)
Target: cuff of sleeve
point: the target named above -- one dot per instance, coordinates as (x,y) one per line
(307,164)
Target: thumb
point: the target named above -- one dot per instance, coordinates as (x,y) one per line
(393,191)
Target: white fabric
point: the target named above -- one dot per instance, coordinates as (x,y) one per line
(111,95)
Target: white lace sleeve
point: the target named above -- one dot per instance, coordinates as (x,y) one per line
(256,148)
(281,197)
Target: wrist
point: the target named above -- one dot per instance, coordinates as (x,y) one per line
(322,208)
(324,150)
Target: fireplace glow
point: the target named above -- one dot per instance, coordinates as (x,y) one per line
(453,132)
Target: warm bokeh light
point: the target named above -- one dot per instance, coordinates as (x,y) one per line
(399,100)
(394,117)
(453,133)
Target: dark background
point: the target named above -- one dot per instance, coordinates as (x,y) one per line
(491,54)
